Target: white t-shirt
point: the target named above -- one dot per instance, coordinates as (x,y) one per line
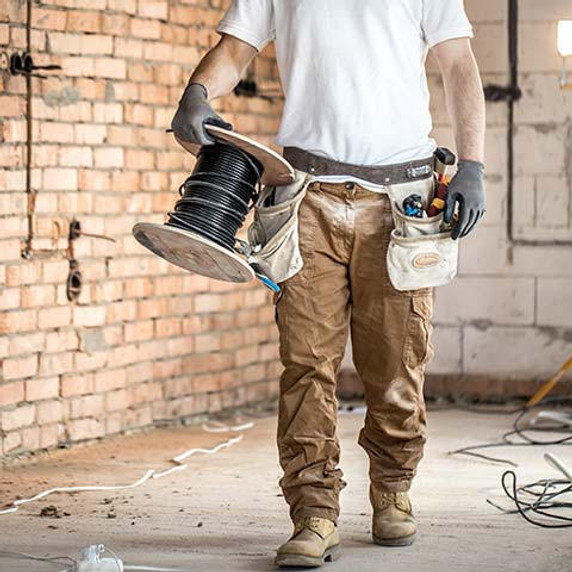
(353,71)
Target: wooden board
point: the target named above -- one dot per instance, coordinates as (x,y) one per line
(193,252)
(277,171)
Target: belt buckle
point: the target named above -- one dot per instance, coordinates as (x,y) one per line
(416,172)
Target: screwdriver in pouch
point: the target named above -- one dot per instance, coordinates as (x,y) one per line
(444,159)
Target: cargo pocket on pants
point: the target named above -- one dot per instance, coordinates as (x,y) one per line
(417,348)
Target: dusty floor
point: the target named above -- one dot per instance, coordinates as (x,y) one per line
(225,511)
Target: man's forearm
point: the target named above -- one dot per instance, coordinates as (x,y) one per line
(221,68)
(464,94)
(466,104)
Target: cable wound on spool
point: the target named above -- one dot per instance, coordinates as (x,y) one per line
(216,197)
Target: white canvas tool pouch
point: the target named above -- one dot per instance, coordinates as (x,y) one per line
(273,235)
(420,255)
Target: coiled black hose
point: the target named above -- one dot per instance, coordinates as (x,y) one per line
(215,199)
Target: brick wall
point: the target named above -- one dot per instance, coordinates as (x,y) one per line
(506,321)
(144,342)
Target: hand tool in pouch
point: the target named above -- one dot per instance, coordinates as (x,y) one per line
(200,233)
(444,160)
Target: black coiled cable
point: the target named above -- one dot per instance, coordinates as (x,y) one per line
(216,198)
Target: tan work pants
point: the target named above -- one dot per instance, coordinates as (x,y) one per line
(344,285)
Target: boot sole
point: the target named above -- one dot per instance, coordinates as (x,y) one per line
(301,561)
(404,541)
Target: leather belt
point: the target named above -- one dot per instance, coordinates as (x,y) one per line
(383,175)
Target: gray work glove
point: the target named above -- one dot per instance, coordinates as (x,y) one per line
(468,190)
(193,112)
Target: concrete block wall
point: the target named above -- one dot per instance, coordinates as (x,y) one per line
(505,323)
(508,316)
(145,342)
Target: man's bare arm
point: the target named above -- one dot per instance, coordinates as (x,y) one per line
(216,75)
(464,94)
(222,67)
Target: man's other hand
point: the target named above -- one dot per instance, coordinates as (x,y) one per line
(193,113)
(467,189)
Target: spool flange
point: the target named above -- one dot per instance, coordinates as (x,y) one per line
(277,171)
(193,252)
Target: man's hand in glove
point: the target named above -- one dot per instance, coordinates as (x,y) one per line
(193,113)
(467,189)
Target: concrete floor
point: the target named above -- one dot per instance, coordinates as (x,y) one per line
(225,512)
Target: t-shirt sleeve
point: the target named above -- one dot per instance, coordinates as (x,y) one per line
(445,20)
(251,21)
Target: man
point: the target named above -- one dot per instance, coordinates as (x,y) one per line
(356,116)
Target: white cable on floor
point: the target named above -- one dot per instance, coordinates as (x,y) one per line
(212,451)
(152,569)
(43,494)
(152,473)
(217,427)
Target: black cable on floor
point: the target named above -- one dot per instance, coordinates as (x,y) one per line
(523,434)
(541,498)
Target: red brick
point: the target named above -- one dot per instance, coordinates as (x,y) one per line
(116,25)
(11,393)
(109,380)
(35,296)
(89,316)
(54,364)
(110,68)
(109,157)
(57,132)
(76,157)
(27,343)
(127,6)
(60,179)
(139,331)
(145,28)
(118,400)
(61,341)
(83,21)
(54,317)
(90,134)
(96,44)
(54,271)
(83,429)
(108,113)
(76,384)
(153,9)
(45,388)
(31,438)
(49,436)
(18,321)
(49,19)
(127,47)
(21,416)
(87,406)
(10,298)
(78,66)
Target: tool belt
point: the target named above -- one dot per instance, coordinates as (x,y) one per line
(420,253)
(385,175)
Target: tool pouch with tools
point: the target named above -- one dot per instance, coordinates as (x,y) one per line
(420,253)
(273,235)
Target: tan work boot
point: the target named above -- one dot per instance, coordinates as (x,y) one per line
(314,541)
(393,520)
